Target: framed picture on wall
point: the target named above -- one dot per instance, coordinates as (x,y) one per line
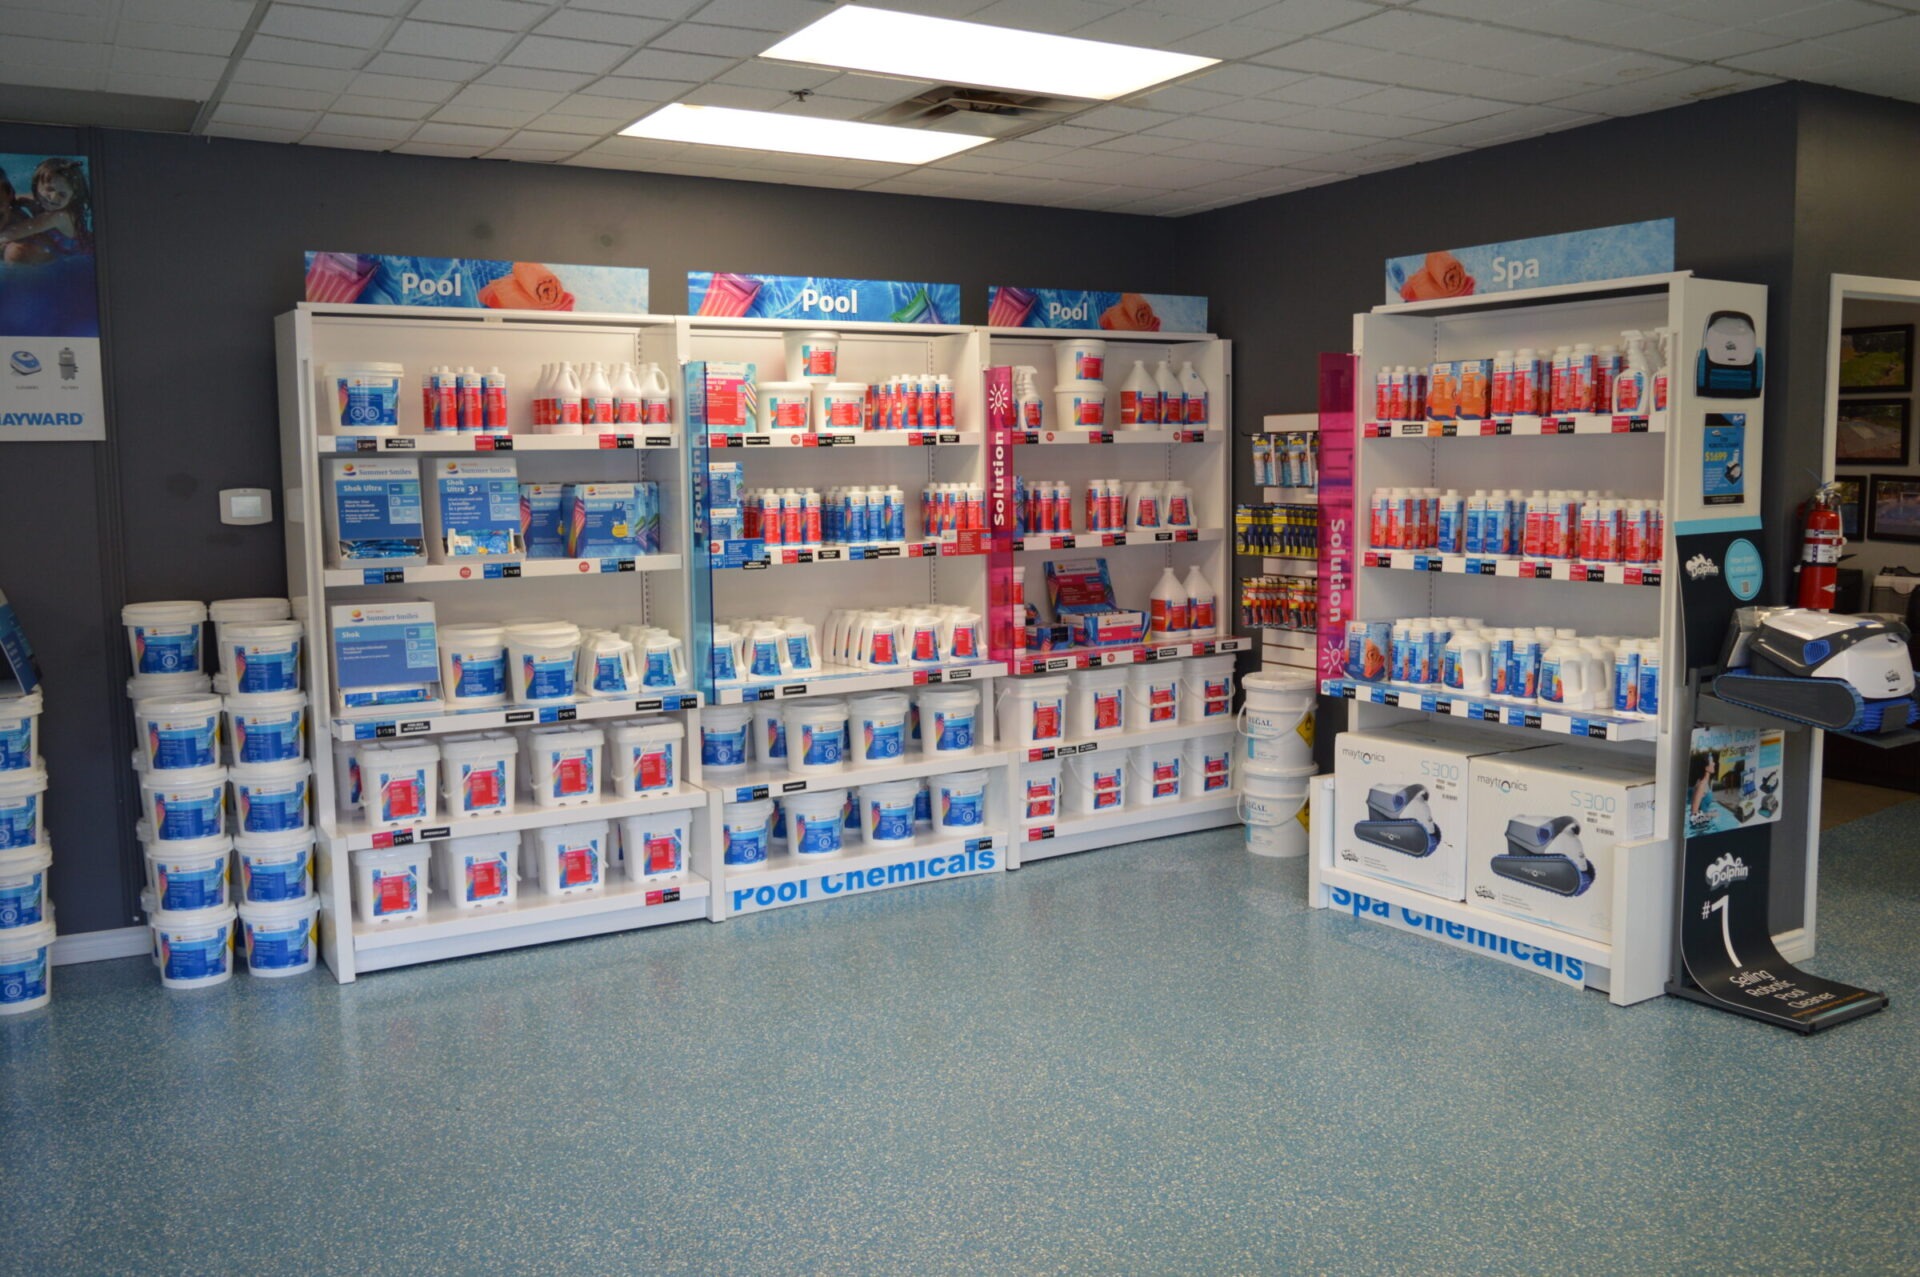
(1878,358)
(1851,493)
(1872,432)
(1893,508)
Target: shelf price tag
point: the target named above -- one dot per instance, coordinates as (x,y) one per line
(623,442)
(383,576)
(1040,833)
(1189,436)
(666,896)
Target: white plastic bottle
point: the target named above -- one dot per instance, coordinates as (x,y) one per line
(567,402)
(656,397)
(1202,612)
(1026,403)
(1173,400)
(542,397)
(1631,387)
(472,396)
(626,396)
(1139,398)
(596,394)
(1199,403)
(1167,608)
(493,402)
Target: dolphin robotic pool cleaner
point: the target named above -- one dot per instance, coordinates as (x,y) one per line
(1837,672)
(1400,820)
(1545,852)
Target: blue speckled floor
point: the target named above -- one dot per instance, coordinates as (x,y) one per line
(1152,1059)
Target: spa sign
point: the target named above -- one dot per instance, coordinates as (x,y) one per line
(1578,257)
(378,279)
(51,389)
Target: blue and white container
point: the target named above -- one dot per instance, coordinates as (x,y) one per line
(814,822)
(185,805)
(267,728)
(569,860)
(480,870)
(192,948)
(280,939)
(746,831)
(262,656)
(887,812)
(949,722)
(473,666)
(565,764)
(543,660)
(390,884)
(878,725)
(23,887)
(724,733)
(273,869)
(272,798)
(644,757)
(398,784)
(816,736)
(22,808)
(222,612)
(20,732)
(959,802)
(654,846)
(179,731)
(477,774)
(26,967)
(165,638)
(190,875)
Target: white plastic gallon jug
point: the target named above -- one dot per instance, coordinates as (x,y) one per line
(879,728)
(1276,722)
(477,774)
(274,868)
(280,939)
(814,821)
(644,757)
(654,846)
(480,870)
(390,884)
(1097,703)
(1033,712)
(1273,806)
(949,722)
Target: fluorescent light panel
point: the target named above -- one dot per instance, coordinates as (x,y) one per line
(798,134)
(949,52)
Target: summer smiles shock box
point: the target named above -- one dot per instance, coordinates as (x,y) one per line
(474,509)
(373,513)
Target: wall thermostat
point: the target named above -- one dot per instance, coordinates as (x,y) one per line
(246,505)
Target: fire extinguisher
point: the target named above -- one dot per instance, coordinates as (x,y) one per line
(1820,551)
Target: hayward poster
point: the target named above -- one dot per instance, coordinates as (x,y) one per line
(52,388)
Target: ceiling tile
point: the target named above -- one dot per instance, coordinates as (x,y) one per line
(226,15)
(663,64)
(1123,119)
(252,132)
(874,88)
(669,9)
(433,68)
(548,54)
(1140,27)
(489,116)
(498,97)
(334,79)
(461,134)
(526,154)
(414,89)
(600,108)
(384,8)
(303,53)
(266,117)
(176,38)
(1823,19)
(1315,54)
(595,126)
(737,96)
(156,62)
(446,150)
(1231,40)
(536,78)
(45,76)
(1322,90)
(1183,100)
(1308,17)
(1142,144)
(440,40)
(1055,17)
(50,25)
(631,90)
(544,140)
(1242,80)
(324,26)
(366,126)
(827,108)
(759,74)
(611,28)
(503,15)
(727,42)
(70,54)
(1260,110)
(345,141)
(385,108)
(278,95)
(764,15)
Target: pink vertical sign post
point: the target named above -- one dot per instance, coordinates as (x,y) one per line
(1004,602)
(1336,512)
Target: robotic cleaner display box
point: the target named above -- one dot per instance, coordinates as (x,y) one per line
(1543,828)
(1402,797)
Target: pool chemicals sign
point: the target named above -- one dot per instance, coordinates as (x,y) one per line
(817,297)
(1010,307)
(1535,958)
(51,388)
(1577,257)
(913,866)
(473,283)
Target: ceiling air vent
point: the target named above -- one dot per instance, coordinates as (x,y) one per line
(983,112)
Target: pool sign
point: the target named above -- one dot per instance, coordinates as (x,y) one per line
(717,295)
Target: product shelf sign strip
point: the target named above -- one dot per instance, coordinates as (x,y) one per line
(1591,724)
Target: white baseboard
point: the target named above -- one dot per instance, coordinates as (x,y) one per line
(1795,945)
(98,946)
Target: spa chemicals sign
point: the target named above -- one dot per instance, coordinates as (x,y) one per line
(716,295)
(1577,257)
(473,283)
(1535,958)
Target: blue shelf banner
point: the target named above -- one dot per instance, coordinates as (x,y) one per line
(1009,307)
(1577,257)
(473,283)
(866,301)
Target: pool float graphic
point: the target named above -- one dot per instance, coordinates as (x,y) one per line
(529,286)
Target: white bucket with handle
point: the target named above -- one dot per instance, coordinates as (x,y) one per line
(1273,807)
(1276,722)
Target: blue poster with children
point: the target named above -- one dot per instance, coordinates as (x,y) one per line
(49,302)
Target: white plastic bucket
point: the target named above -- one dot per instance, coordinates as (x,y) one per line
(654,846)
(887,812)
(1080,406)
(480,870)
(1097,703)
(645,757)
(23,887)
(185,805)
(1040,787)
(1277,721)
(272,798)
(274,868)
(1154,697)
(1096,783)
(477,773)
(148,687)
(565,764)
(346,775)
(262,656)
(398,784)
(193,948)
(280,939)
(269,728)
(179,731)
(812,356)
(879,728)
(1033,712)
(165,638)
(959,802)
(786,405)
(390,884)
(813,821)
(816,736)
(26,968)
(1159,773)
(723,738)
(746,830)
(843,406)
(1206,690)
(770,733)
(1209,765)
(1080,359)
(22,808)
(949,723)
(473,666)
(1273,806)
(570,859)
(361,398)
(20,732)
(221,611)
(543,659)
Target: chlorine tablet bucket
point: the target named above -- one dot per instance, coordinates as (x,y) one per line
(1206,689)
(959,802)
(644,757)
(221,611)
(1033,712)
(148,687)
(165,638)
(786,405)
(1158,773)
(813,356)
(1097,783)
(1276,722)
(23,886)
(1155,699)
(1097,703)
(390,884)
(473,666)
(20,732)
(565,764)
(190,875)
(949,723)
(1040,787)
(280,939)
(770,733)
(813,821)
(22,808)
(746,830)
(1209,765)
(179,731)
(272,798)
(723,738)
(193,948)
(1080,406)
(654,846)
(480,870)
(543,660)
(477,773)
(26,967)
(816,736)
(570,860)
(267,728)
(361,398)
(1273,807)
(887,812)
(879,728)
(274,868)
(262,656)
(186,804)
(1080,359)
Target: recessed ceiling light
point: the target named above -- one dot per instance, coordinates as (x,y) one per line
(798,134)
(948,52)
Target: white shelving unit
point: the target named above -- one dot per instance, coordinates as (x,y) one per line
(1655,456)
(604,592)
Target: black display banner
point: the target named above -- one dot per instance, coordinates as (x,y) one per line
(1709,596)
(1727,956)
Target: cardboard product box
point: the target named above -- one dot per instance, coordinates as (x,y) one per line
(1543,828)
(373,513)
(384,654)
(473,509)
(541,534)
(722,398)
(1414,829)
(611,520)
